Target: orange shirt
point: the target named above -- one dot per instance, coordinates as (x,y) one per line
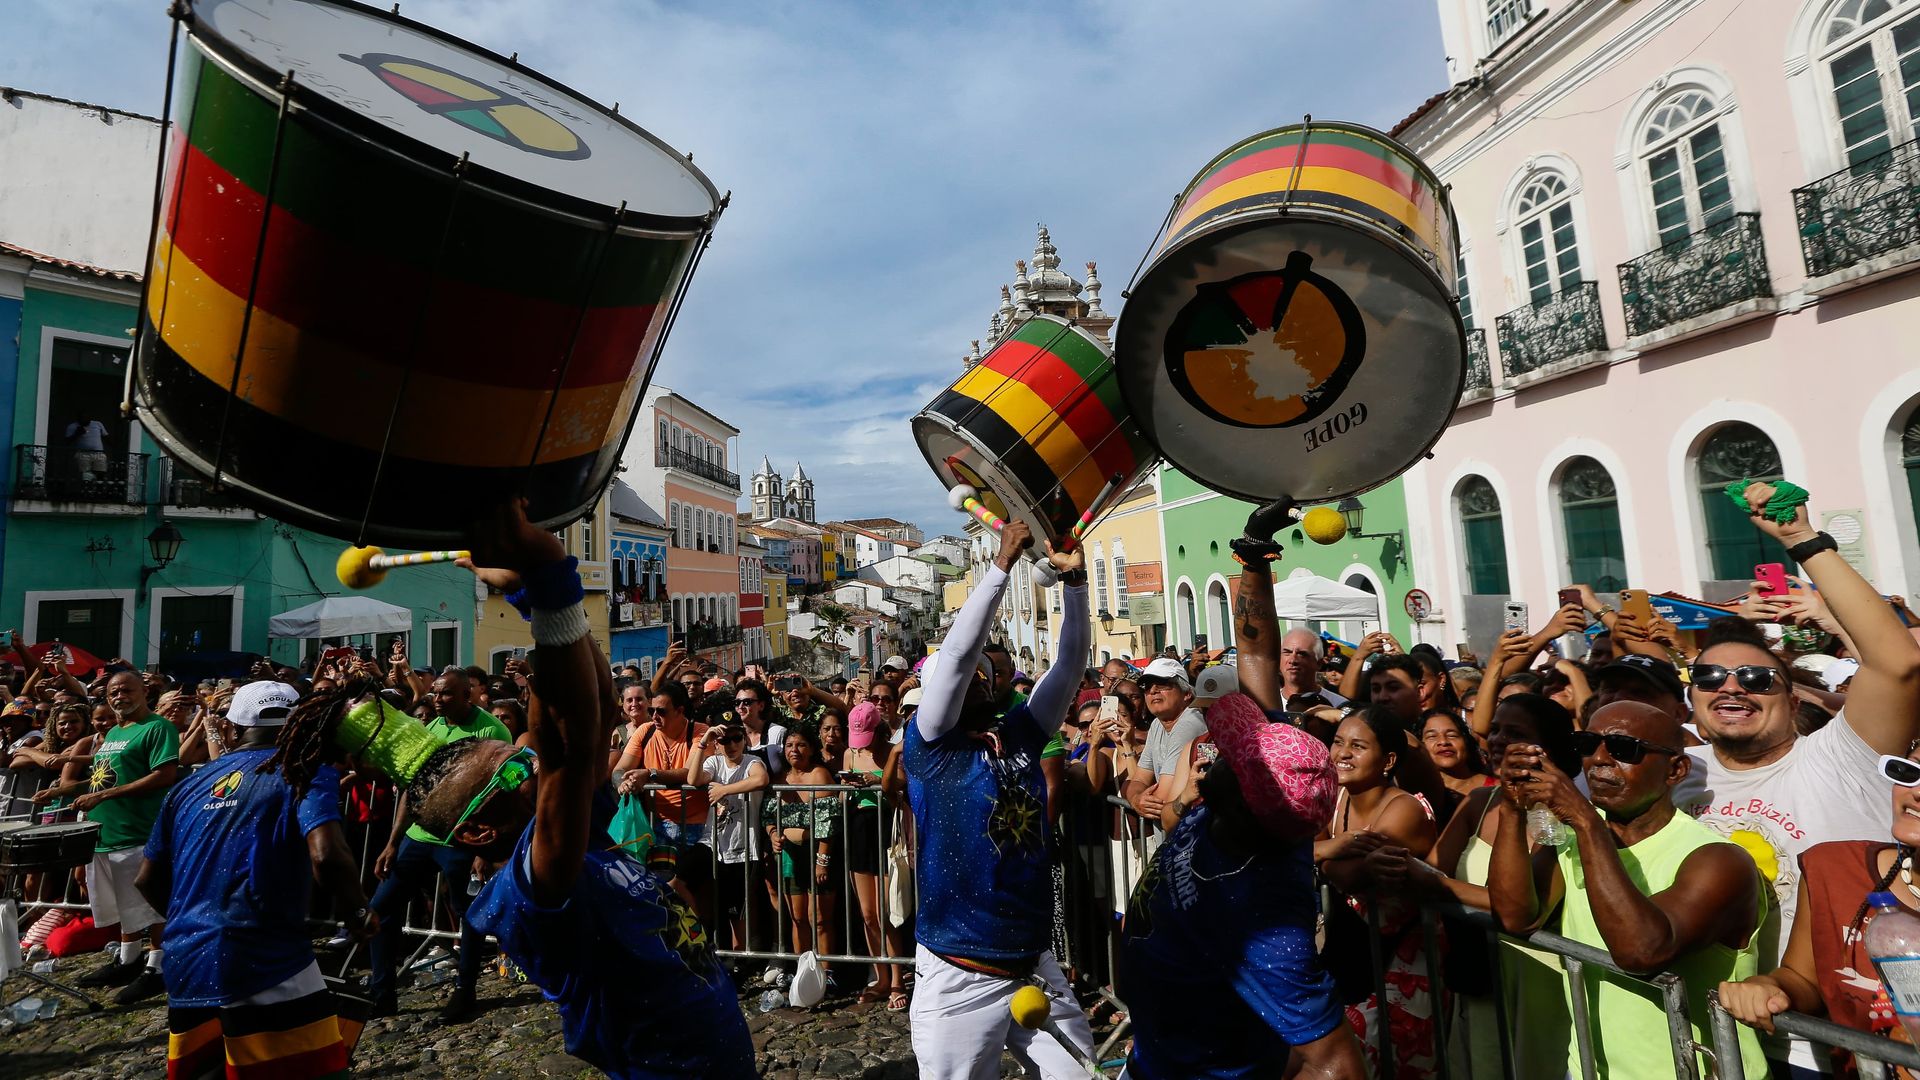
(658,751)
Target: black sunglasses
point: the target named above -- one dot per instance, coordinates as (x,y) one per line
(655,711)
(1625,749)
(743,702)
(1753,678)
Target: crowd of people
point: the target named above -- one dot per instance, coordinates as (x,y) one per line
(1717,804)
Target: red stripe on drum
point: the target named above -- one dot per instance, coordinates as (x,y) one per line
(1327,155)
(382,307)
(1062,388)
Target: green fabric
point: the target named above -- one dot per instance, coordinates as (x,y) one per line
(1625,1015)
(1787,498)
(126,753)
(815,813)
(1056,747)
(630,829)
(479,724)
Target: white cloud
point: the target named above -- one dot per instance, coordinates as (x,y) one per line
(888,163)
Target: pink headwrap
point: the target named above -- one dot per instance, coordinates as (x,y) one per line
(1284,773)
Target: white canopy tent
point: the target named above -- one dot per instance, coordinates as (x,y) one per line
(340,617)
(1319,599)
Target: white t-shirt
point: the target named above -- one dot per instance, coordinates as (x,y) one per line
(735,835)
(1165,746)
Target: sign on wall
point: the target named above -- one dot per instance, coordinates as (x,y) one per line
(1149,610)
(1143,578)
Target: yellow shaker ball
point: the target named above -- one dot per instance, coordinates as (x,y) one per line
(1029,1007)
(1324,525)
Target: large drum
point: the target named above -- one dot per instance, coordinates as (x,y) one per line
(1038,427)
(395,274)
(1295,334)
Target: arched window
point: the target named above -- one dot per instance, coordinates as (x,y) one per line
(1549,248)
(1590,512)
(1484,537)
(1185,614)
(677,514)
(1464,288)
(664,440)
(1734,452)
(1100,603)
(1870,52)
(1119,578)
(1219,616)
(1910,462)
(1356,631)
(1684,163)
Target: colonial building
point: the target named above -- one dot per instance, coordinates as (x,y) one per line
(773,499)
(889,528)
(637,604)
(1687,250)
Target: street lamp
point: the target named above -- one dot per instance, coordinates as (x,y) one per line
(163,544)
(1355,515)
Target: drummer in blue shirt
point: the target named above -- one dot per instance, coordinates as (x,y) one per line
(979,805)
(632,970)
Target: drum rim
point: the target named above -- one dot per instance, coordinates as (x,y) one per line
(1248,221)
(1420,166)
(265,80)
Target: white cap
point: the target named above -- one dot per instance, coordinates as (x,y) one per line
(262,704)
(896,663)
(911,697)
(1168,668)
(1216,682)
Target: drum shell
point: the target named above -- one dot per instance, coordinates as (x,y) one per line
(410,320)
(1376,230)
(1039,427)
(59,846)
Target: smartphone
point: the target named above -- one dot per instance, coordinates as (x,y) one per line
(786,683)
(1515,616)
(366,653)
(1772,577)
(1572,596)
(1634,602)
(519,654)
(1369,626)
(1462,653)
(1109,709)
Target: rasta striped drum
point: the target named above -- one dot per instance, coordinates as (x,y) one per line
(1295,334)
(395,276)
(1038,427)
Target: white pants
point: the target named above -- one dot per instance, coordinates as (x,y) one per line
(115,900)
(960,1022)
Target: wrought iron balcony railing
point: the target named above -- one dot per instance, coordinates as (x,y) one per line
(1564,325)
(707,637)
(1479,367)
(639,612)
(672,457)
(184,488)
(1703,271)
(1861,212)
(64,474)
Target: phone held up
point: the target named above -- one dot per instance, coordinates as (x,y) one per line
(1514,616)
(1772,578)
(1571,596)
(1634,603)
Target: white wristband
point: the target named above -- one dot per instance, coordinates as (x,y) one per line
(560,627)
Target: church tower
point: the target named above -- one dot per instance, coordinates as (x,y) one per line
(766,492)
(800,495)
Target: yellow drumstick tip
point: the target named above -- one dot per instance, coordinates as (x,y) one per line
(1029,1007)
(1324,525)
(355,568)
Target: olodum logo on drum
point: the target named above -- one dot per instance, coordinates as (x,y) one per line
(474,105)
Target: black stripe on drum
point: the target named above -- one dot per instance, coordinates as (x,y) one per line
(1013,454)
(1306,198)
(282,458)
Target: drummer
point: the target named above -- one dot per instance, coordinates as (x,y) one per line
(232,861)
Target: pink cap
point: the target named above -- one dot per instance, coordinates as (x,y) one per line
(862,724)
(1284,773)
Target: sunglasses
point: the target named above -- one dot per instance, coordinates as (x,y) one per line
(1902,771)
(1753,678)
(745,702)
(510,775)
(733,738)
(655,711)
(1625,749)
(1151,681)
(882,699)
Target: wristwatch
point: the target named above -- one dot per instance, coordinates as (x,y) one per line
(1807,549)
(1075,578)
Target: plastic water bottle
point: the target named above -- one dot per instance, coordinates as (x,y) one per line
(1893,940)
(772,1000)
(1544,829)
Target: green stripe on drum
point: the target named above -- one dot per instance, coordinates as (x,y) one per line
(1013,454)
(1087,359)
(371,198)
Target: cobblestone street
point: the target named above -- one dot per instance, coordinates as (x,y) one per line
(517,1036)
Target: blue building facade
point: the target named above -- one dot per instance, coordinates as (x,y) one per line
(637,609)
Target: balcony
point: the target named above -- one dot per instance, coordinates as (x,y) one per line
(191,495)
(639,613)
(1864,218)
(672,457)
(1479,384)
(1552,337)
(61,474)
(1703,273)
(709,637)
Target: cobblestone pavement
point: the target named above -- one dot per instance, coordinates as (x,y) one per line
(516,1037)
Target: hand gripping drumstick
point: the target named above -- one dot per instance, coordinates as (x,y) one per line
(966,497)
(1032,1009)
(365,567)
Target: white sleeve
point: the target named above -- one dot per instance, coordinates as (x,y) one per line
(1845,759)
(946,684)
(1055,691)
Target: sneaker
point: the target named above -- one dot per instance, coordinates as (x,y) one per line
(37,954)
(460,1008)
(113,974)
(144,985)
(771,976)
(785,980)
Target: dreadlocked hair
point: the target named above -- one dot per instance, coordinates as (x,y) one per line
(428,811)
(307,738)
(1901,854)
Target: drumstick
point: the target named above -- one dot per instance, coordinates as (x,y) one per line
(964,497)
(1086,520)
(365,567)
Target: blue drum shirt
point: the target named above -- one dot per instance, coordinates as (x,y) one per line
(640,992)
(234,841)
(1217,964)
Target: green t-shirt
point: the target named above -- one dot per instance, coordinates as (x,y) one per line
(479,724)
(126,753)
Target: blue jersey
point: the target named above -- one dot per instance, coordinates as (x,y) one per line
(235,844)
(985,891)
(640,992)
(1217,965)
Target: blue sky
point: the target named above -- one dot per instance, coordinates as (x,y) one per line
(888,163)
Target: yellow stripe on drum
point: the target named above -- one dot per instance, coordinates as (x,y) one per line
(1040,426)
(1312,178)
(266,1047)
(344,394)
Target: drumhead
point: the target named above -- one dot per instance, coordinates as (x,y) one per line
(456,98)
(1291,357)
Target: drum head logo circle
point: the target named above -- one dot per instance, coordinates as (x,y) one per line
(474,105)
(1266,350)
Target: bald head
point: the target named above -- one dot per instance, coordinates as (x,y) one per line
(1627,789)
(1640,719)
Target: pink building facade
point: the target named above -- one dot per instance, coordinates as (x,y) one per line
(1689,230)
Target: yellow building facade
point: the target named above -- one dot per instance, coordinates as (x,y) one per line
(500,630)
(1126,580)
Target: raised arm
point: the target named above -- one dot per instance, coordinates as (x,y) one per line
(1053,694)
(1883,704)
(944,682)
(1257,633)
